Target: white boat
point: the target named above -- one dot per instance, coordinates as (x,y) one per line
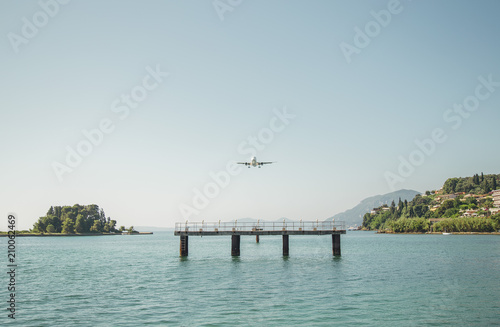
(446,233)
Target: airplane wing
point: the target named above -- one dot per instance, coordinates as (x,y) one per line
(243,163)
(266,163)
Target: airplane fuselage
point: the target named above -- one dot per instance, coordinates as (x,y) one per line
(254,163)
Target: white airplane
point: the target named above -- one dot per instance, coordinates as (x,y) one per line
(254,163)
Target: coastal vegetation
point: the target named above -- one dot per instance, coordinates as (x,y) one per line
(477,184)
(462,205)
(77,219)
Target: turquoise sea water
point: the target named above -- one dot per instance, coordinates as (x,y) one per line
(380,280)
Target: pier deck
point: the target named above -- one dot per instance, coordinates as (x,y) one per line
(236,229)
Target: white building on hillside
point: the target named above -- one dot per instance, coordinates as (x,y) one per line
(496,198)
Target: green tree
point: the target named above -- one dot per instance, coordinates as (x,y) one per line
(412,225)
(393,207)
(466,225)
(439,212)
(487,203)
(366,220)
(112,225)
(67,212)
(400,207)
(43,222)
(420,210)
(486,187)
(80,224)
(102,217)
(496,221)
(96,227)
(450,185)
(471,200)
(39,226)
(58,211)
(51,229)
(83,218)
(68,227)
(450,212)
(448,204)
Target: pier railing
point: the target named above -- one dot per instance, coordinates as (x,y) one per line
(236,226)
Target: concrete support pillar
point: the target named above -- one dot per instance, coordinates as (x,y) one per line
(285,246)
(336,244)
(257,239)
(235,245)
(184,246)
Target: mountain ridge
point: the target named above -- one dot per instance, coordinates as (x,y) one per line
(354,216)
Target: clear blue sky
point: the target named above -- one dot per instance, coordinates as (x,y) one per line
(356,114)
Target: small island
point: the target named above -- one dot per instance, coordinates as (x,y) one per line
(76,220)
(462,205)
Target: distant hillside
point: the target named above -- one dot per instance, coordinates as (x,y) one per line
(464,204)
(152,229)
(355,215)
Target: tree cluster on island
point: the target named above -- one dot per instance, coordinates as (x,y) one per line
(462,205)
(80,219)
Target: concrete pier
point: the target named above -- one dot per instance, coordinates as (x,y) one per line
(235,245)
(257,229)
(184,246)
(336,244)
(286,247)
